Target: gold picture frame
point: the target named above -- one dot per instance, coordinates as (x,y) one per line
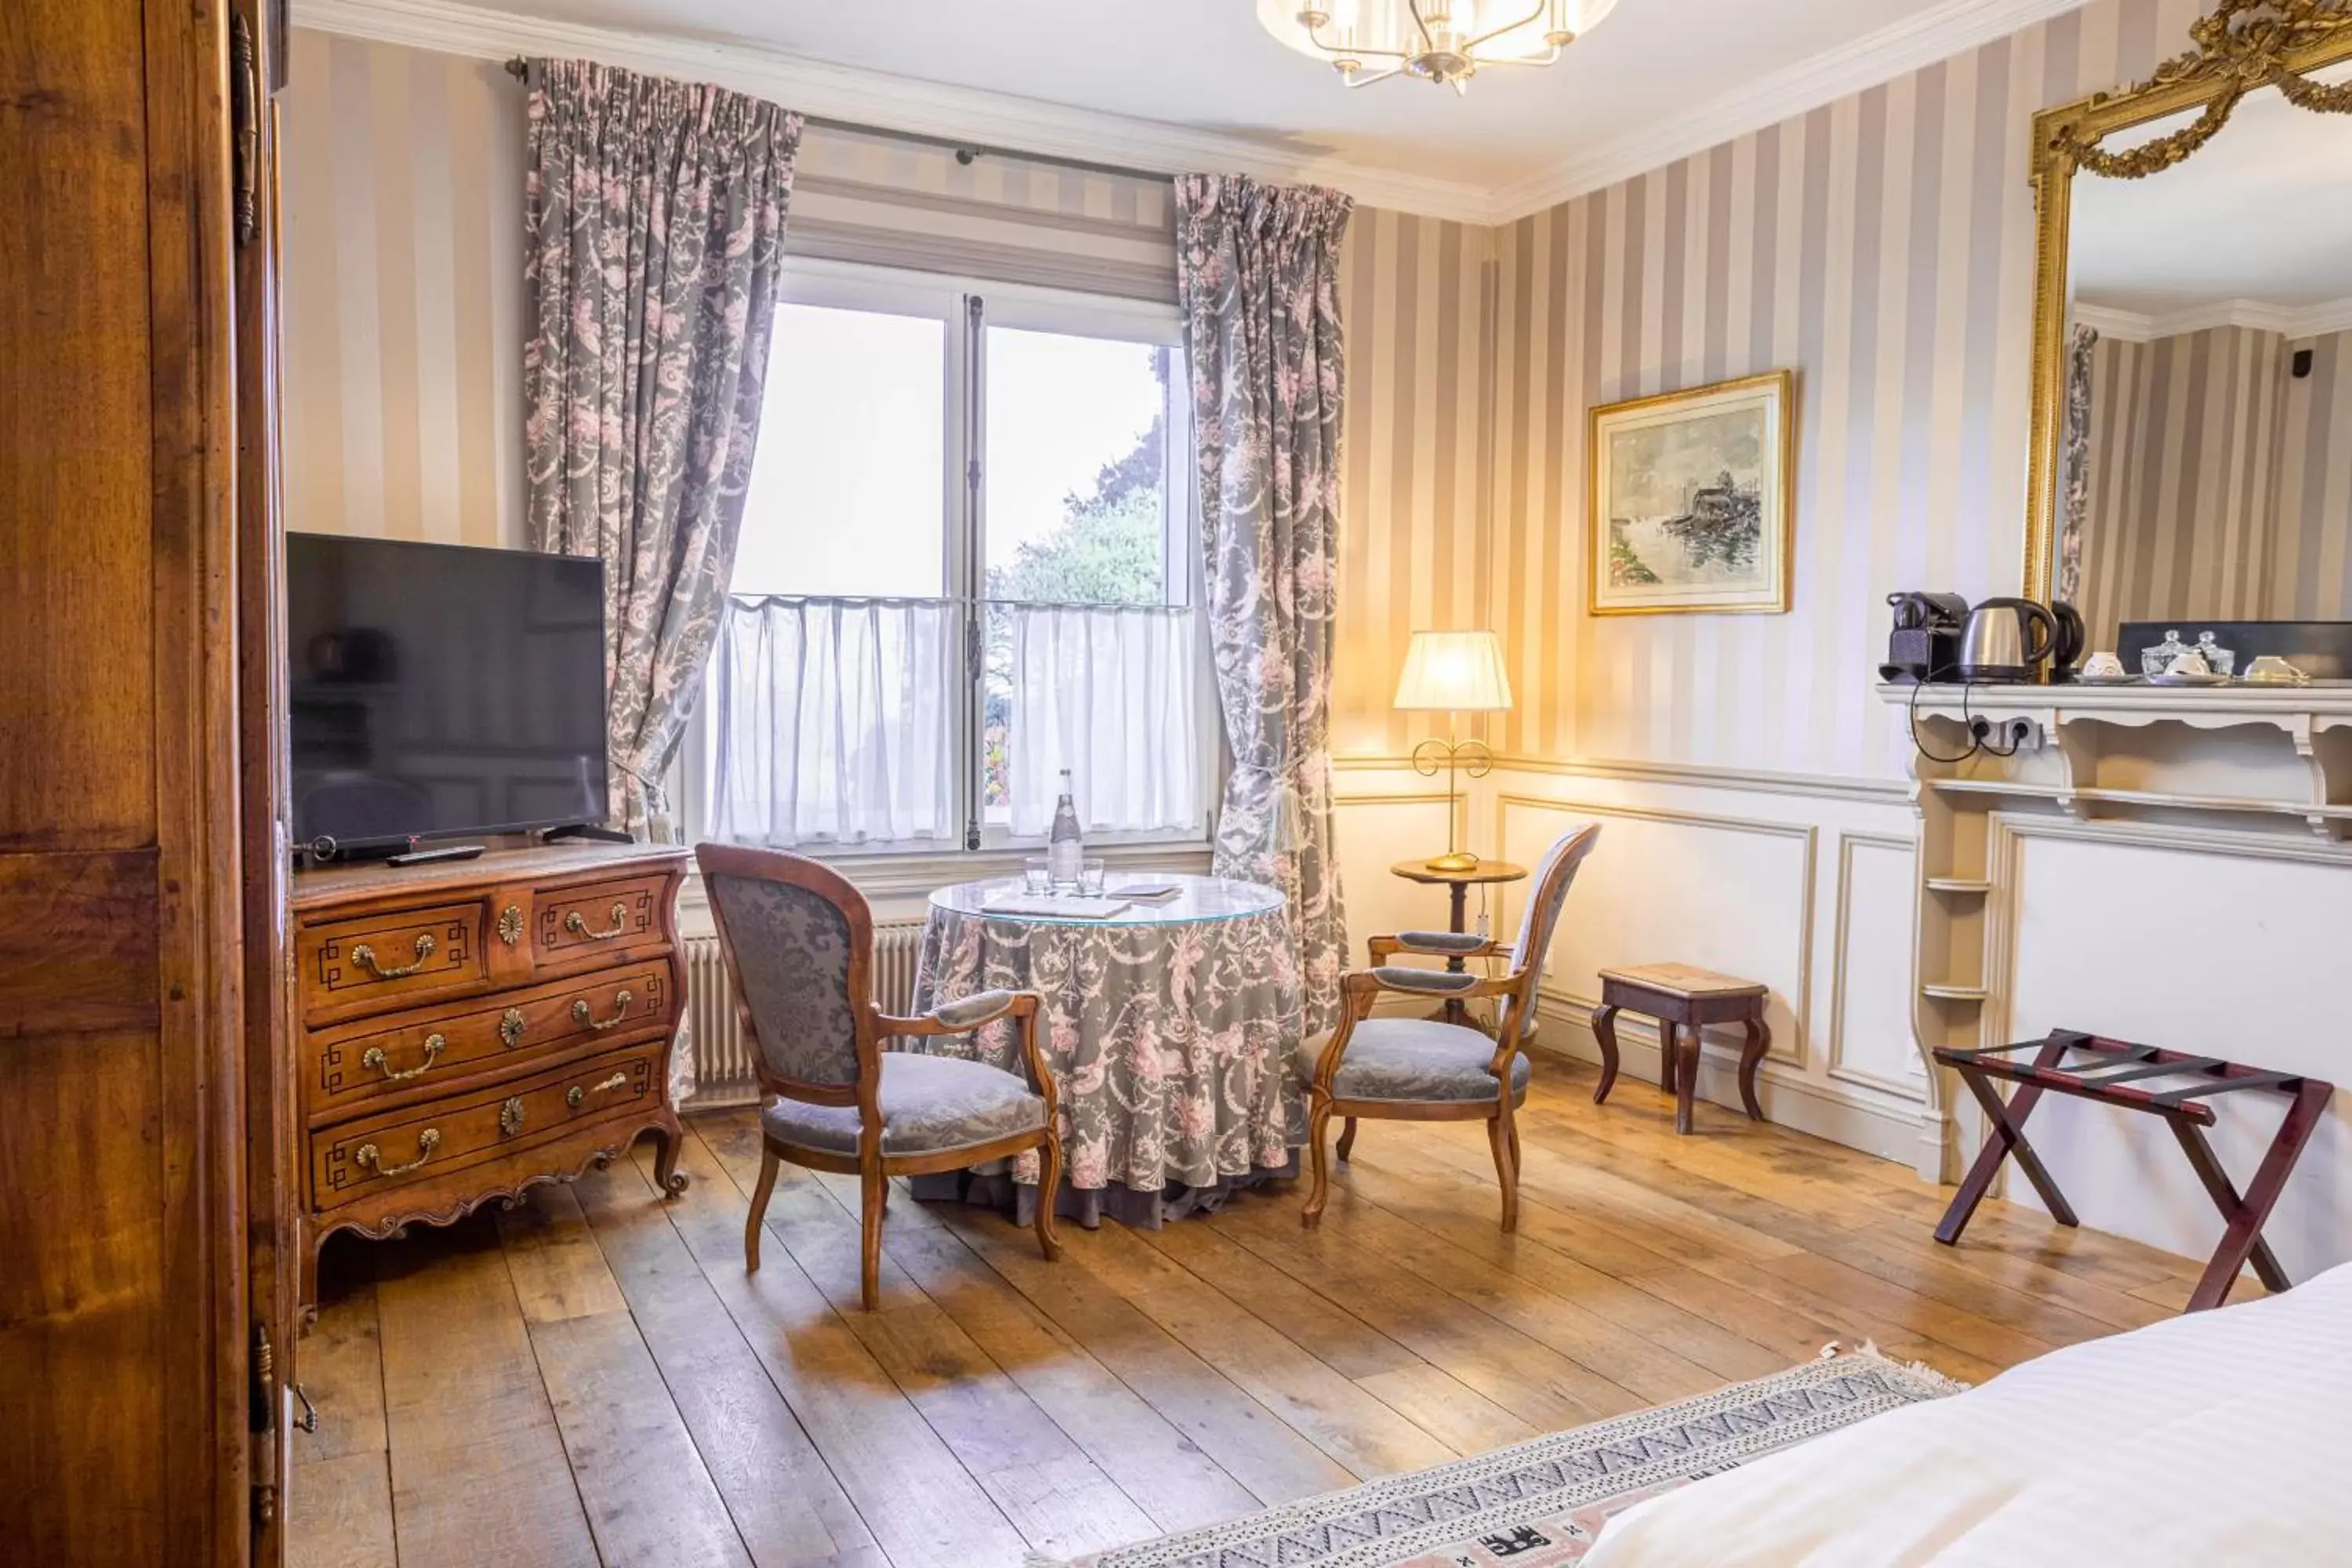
(2237,45)
(1650,454)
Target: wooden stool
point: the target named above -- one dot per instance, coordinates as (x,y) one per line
(1681,999)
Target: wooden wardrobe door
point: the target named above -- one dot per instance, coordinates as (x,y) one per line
(123,1178)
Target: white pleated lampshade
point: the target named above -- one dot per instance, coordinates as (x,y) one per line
(1453,672)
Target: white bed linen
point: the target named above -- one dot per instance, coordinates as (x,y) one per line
(2221,1437)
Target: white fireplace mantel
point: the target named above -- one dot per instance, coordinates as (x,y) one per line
(2172,865)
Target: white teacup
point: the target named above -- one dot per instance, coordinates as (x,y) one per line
(2189,664)
(2273,671)
(2104,667)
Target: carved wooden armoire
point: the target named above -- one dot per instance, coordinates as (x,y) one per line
(144,1317)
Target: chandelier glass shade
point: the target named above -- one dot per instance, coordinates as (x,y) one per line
(1444,41)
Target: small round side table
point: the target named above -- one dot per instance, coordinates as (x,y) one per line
(1458,884)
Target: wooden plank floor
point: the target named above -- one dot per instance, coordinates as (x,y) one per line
(592,1376)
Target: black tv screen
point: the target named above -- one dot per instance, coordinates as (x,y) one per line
(440,689)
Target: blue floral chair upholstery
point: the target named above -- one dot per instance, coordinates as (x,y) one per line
(1424,1070)
(799,940)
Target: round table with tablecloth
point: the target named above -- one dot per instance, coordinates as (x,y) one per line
(1169,1027)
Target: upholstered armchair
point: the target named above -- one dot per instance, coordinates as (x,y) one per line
(799,942)
(1422,1069)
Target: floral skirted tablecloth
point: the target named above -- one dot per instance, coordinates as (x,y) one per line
(1170,1031)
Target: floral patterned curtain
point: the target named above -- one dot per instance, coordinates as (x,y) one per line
(2074,464)
(654,241)
(1258,280)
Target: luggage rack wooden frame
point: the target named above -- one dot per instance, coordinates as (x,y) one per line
(2110,1079)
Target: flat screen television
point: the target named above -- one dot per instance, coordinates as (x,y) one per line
(436,690)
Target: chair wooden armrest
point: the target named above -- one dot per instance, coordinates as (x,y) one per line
(961,1017)
(1358,987)
(1435,944)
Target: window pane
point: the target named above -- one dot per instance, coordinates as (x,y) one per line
(1076,471)
(848,490)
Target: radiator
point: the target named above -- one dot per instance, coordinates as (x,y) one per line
(723,1056)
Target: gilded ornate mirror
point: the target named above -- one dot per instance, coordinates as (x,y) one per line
(2192,449)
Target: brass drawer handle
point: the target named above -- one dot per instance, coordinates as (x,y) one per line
(585,1015)
(577,924)
(511,1116)
(434,1045)
(510,924)
(364,957)
(576,1094)
(511,1027)
(426,1141)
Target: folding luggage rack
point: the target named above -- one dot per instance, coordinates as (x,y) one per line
(2108,1071)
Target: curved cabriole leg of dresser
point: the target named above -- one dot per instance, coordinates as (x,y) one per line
(666,1175)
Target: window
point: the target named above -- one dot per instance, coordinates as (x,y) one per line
(967,563)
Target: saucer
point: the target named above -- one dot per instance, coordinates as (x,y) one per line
(2208,678)
(2082,680)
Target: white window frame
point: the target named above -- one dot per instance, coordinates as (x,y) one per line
(949,298)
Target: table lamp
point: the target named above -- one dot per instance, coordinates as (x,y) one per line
(1450,673)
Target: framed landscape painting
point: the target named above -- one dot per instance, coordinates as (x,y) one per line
(1694,499)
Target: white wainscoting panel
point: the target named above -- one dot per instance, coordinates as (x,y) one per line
(1777,880)
(1869,965)
(1730,894)
(1383,818)
(2182,941)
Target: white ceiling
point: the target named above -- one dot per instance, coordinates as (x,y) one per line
(2257,216)
(1207,64)
(1194,83)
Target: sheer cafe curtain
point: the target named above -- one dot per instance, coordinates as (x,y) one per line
(833,721)
(1109,692)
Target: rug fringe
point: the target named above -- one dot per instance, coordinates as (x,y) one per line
(1918,1368)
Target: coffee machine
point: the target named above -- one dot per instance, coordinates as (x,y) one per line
(1926,643)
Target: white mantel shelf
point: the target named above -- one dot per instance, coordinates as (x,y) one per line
(2240,758)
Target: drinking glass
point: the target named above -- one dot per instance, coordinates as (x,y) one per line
(1090,879)
(1037,875)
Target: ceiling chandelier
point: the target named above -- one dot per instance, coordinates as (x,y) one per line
(1445,41)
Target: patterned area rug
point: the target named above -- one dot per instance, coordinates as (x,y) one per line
(1543,1503)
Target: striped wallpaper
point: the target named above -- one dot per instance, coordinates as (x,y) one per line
(2314,486)
(1883,247)
(402,250)
(1418,301)
(2182,510)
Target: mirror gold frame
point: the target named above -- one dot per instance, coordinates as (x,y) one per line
(2241,46)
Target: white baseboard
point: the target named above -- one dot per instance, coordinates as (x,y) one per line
(1828,1110)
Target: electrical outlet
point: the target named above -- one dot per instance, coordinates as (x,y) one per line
(2005,737)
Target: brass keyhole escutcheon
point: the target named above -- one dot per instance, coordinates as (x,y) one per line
(511,1027)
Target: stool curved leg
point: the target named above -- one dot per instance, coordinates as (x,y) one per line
(1346,1138)
(1760,1040)
(1604,1034)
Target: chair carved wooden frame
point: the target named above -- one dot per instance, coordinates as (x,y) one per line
(828,983)
(1499,1059)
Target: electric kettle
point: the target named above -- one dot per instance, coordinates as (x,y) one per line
(2006,640)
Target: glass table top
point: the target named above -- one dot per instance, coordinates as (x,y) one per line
(1197,900)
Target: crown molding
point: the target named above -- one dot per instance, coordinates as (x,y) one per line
(2133,327)
(1016,125)
(887,102)
(1855,66)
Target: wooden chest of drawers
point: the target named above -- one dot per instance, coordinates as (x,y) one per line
(465,1031)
